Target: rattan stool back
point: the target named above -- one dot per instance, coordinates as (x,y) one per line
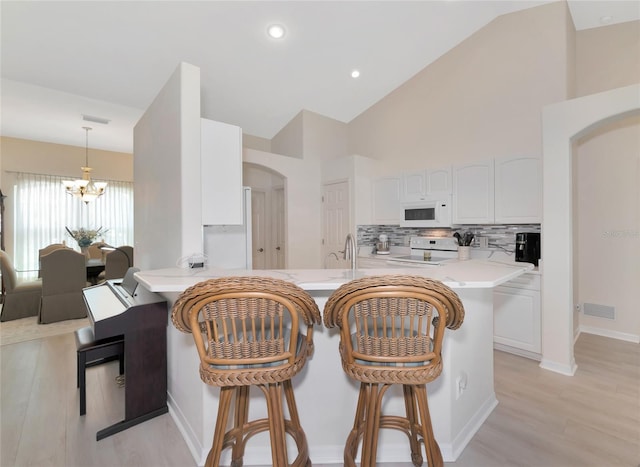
(391,332)
(247,332)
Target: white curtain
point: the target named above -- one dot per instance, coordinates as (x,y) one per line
(43,209)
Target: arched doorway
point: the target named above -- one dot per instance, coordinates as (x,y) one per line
(267,216)
(562,124)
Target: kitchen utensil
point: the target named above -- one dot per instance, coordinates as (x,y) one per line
(467,239)
(457,236)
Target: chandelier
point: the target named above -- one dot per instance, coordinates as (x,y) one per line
(85,188)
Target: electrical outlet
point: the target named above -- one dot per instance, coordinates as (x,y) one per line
(461,384)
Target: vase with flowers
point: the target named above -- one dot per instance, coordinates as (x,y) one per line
(85,237)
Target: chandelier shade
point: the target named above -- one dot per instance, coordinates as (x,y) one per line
(85,189)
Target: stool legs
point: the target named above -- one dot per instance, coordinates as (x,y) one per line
(434,456)
(213,459)
(369,420)
(243,429)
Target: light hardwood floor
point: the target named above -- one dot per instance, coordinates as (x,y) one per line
(543,418)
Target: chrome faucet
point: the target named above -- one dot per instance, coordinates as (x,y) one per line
(329,256)
(350,251)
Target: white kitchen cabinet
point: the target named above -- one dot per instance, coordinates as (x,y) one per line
(386,200)
(439,181)
(422,184)
(473,193)
(517,320)
(518,190)
(221,173)
(414,186)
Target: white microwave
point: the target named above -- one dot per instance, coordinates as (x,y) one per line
(435,213)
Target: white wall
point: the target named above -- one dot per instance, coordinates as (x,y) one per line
(607,233)
(302,198)
(562,123)
(168,218)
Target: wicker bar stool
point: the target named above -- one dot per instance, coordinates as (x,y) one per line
(246,331)
(391,332)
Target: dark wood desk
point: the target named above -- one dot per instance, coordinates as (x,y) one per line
(94,268)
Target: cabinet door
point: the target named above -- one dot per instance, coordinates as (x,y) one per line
(518,190)
(517,318)
(414,186)
(473,193)
(221,173)
(386,200)
(439,182)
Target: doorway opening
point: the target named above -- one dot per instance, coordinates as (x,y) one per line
(268,216)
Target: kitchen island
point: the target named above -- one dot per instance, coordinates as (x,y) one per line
(460,399)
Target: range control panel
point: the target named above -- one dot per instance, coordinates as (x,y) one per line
(434,243)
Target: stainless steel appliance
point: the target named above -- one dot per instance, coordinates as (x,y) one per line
(528,247)
(431,212)
(429,251)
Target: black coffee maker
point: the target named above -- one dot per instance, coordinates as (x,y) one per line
(528,247)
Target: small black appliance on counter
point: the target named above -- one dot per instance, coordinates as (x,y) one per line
(528,247)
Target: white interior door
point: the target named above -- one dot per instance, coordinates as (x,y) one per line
(335,225)
(277,228)
(258,229)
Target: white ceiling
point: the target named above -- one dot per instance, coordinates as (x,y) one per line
(62,60)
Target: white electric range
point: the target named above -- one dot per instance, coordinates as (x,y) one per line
(441,249)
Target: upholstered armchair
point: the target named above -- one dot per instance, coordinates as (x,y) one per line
(21,298)
(64,275)
(118,262)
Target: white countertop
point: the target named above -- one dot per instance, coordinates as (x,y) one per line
(475,273)
(492,256)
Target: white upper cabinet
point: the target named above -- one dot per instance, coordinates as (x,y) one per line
(473,193)
(419,185)
(439,181)
(221,173)
(414,186)
(386,200)
(518,190)
(500,191)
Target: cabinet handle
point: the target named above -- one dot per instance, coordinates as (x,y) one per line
(278,248)
(260,250)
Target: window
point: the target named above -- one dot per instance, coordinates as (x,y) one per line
(43,209)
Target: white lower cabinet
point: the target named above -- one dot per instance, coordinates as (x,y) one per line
(517,321)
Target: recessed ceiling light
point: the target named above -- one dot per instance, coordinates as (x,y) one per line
(276,31)
(355,74)
(606,19)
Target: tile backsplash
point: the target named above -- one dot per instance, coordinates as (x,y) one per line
(501,237)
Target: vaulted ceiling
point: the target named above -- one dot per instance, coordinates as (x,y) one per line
(62,60)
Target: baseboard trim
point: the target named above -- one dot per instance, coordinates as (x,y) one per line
(623,336)
(186,431)
(563,369)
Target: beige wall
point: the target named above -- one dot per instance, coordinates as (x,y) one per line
(607,176)
(311,136)
(481,100)
(256,142)
(21,155)
(290,140)
(607,57)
